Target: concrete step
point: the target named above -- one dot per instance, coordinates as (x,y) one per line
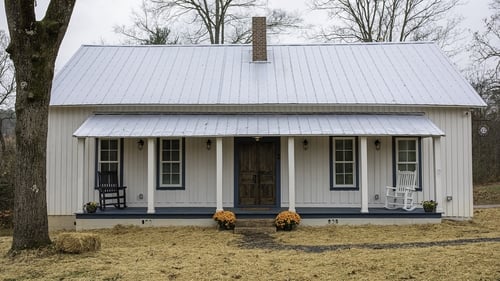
(255,223)
(253,230)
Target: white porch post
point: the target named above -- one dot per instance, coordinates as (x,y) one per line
(151,176)
(219,168)
(364,175)
(438,179)
(80,173)
(291,174)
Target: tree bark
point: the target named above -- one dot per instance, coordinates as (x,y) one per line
(33,49)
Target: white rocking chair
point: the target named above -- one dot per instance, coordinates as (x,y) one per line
(403,194)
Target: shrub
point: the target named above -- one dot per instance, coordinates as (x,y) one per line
(287,220)
(225,219)
(429,206)
(90,207)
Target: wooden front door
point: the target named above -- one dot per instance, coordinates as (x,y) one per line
(257,173)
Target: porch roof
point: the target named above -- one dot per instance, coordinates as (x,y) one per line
(221,125)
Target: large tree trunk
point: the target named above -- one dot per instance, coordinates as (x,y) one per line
(33,49)
(30,203)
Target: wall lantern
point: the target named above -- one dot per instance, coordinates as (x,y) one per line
(377,145)
(140,144)
(257,138)
(209,144)
(305,144)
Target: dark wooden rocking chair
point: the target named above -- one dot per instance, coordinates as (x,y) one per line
(110,192)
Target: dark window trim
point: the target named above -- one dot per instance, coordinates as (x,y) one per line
(332,173)
(183,166)
(96,167)
(419,156)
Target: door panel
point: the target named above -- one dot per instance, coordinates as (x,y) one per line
(257,173)
(248,174)
(267,173)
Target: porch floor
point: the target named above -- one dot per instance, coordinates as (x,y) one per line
(242,213)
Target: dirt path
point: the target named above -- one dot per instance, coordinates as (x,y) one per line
(265,241)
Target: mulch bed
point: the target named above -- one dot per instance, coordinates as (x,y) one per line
(266,242)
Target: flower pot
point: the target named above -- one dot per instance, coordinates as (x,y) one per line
(223,226)
(430,209)
(286,227)
(89,208)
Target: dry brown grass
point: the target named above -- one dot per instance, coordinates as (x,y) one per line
(192,253)
(487,194)
(485,224)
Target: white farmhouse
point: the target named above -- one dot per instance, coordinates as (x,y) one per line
(317,128)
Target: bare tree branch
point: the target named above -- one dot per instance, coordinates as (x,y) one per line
(212,21)
(389,20)
(487,44)
(149,27)
(7,78)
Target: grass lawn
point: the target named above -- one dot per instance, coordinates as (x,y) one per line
(487,194)
(193,253)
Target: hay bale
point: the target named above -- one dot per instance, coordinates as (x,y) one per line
(76,243)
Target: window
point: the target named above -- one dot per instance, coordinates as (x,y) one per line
(343,163)
(171,164)
(109,156)
(407,156)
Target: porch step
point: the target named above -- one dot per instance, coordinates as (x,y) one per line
(250,226)
(253,230)
(255,223)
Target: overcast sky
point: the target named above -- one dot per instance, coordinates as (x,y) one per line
(93,20)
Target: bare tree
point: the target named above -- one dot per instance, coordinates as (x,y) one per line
(149,27)
(487,44)
(277,21)
(486,80)
(33,49)
(7,86)
(389,20)
(7,80)
(213,21)
(211,16)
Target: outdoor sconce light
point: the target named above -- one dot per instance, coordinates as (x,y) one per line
(140,144)
(257,138)
(305,144)
(209,144)
(377,145)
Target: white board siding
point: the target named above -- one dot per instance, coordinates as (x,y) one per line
(135,166)
(311,165)
(200,181)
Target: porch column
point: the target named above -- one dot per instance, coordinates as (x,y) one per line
(151,176)
(364,174)
(438,179)
(219,168)
(291,174)
(80,173)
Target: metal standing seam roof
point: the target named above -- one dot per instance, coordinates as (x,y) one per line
(345,74)
(160,125)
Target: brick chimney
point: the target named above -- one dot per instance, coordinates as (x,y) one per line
(259,39)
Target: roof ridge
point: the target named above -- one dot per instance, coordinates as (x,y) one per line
(270,45)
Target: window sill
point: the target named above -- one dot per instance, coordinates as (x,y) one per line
(170,188)
(355,188)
